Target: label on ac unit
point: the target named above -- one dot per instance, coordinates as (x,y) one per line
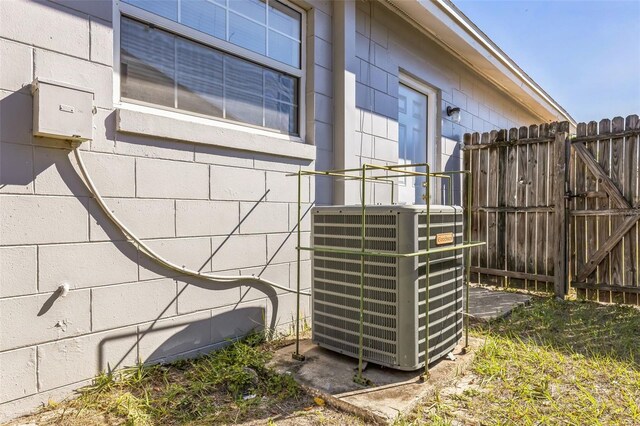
(444,238)
(67,108)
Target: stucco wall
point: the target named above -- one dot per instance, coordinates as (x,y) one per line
(386,46)
(205,206)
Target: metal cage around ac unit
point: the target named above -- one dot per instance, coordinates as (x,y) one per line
(395,298)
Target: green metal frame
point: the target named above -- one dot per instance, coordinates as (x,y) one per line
(398,171)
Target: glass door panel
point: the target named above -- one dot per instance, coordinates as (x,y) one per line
(412,138)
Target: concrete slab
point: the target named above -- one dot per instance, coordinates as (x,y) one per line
(487,305)
(329,375)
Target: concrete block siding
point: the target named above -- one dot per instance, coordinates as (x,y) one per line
(386,47)
(210,208)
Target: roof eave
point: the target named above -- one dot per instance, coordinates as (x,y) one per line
(447,25)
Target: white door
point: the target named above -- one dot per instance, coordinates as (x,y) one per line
(412,138)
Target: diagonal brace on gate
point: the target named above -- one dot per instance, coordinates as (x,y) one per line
(608,245)
(605,181)
(618,198)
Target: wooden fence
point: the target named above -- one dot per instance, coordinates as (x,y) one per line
(515,204)
(556,210)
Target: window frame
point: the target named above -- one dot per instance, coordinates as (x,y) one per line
(121,8)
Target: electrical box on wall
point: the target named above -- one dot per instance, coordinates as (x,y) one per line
(62,111)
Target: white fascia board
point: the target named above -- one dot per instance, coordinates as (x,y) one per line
(449,27)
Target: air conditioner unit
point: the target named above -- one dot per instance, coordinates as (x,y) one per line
(395,287)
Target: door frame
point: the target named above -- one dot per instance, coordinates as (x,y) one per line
(433,95)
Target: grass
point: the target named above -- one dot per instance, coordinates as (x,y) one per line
(550,363)
(554,362)
(224,387)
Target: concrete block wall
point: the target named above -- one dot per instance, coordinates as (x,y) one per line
(386,47)
(207,207)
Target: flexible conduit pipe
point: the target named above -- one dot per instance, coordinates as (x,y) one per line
(155,256)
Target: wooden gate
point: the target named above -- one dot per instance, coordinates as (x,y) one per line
(604,209)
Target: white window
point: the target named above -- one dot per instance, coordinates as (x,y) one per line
(238,60)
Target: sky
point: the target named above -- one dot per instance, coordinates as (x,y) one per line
(585,54)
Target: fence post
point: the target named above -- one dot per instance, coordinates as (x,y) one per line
(560,222)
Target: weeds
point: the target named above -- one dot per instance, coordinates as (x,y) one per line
(553,362)
(224,386)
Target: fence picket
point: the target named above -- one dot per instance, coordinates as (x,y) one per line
(617,173)
(475,140)
(483,159)
(493,187)
(629,245)
(633,123)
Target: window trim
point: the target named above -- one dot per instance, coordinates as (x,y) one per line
(125,9)
(138,120)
